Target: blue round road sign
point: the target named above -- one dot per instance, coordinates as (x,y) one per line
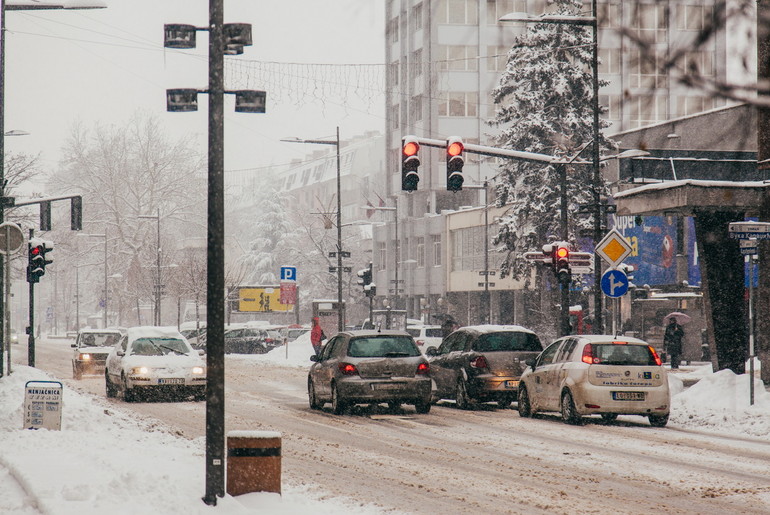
(614,283)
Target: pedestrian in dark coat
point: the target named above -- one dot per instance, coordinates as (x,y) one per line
(672,341)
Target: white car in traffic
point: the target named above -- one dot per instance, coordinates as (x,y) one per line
(596,374)
(154,359)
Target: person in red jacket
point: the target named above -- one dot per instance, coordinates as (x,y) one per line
(317,336)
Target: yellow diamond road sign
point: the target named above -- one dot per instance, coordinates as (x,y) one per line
(613,248)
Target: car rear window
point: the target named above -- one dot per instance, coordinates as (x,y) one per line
(382,346)
(434,333)
(508,341)
(414,332)
(623,354)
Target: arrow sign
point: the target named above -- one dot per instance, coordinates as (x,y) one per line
(746,230)
(614,283)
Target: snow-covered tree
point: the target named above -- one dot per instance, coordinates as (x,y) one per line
(544,105)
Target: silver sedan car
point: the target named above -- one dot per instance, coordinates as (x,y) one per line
(370,367)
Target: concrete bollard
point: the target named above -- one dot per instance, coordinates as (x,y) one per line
(253,462)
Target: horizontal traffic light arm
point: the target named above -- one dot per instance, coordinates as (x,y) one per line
(493,151)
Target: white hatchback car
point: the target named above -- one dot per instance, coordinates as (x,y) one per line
(596,374)
(157,359)
(426,335)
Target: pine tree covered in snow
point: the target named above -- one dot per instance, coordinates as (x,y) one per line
(544,105)
(271,232)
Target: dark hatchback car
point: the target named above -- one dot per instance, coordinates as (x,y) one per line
(482,363)
(248,340)
(370,367)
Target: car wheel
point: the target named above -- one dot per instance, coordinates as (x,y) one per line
(338,405)
(311,396)
(394,405)
(422,407)
(128,393)
(525,408)
(504,403)
(77,373)
(568,412)
(201,395)
(112,390)
(462,398)
(609,417)
(658,420)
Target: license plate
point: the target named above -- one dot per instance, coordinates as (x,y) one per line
(386,386)
(628,396)
(511,384)
(171,381)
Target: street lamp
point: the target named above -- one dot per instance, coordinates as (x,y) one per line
(592,22)
(394,209)
(486,304)
(106,301)
(336,143)
(158,284)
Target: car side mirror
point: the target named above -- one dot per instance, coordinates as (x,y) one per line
(531,363)
(121,353)
(314,358)
(73,345)
(201,352)
(431,351)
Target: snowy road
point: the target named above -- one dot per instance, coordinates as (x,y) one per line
(487,461)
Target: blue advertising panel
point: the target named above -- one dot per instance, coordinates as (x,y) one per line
(653,248)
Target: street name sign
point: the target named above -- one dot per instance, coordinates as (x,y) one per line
(42,405)
(614,283)
(613,248)
(748,246)
(746,230)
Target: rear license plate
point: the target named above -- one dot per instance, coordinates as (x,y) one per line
(387,386)
(628,396)
(174,380)
(511,384)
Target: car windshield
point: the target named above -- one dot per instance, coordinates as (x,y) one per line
(623,354)
(508,341)
(99,339)
(382,347)
(158,347)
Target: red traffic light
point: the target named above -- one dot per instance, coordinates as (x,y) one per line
(35,251)
(411,148)
(455,148)
(562,253)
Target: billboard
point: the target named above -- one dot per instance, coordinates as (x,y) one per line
(261,299)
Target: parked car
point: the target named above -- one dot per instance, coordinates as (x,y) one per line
(292,333)
(482,363)
(91,349)
(596,374)
(248,340)
(426,336)
(357,367)
(154,359)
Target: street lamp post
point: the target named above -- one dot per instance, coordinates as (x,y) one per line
(597,186)
(158,284)
(486,304)
(106,301)
(394,209)
(336,143)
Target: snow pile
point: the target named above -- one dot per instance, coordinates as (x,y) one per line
(106,461)
(294,354)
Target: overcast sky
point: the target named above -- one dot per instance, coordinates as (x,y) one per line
(64,67)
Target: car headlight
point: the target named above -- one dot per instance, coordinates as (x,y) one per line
(140,370)
(198,370)
(85,357)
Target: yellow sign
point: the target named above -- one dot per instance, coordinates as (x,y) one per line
(263,299)
(613,248)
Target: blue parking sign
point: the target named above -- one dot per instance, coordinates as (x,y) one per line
(288,273)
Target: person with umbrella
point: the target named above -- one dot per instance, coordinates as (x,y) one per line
(672,341)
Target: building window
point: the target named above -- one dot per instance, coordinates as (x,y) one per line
(420,252)
(393,75)
(416,64)
(700,63)
(694,17)
(648,109)
(687,105)
(416,18)
(650,23)
(458,58)
(647,71)
(458,103)
(458,12)
(497,58)
(468,249)
(611,104)
(436,249)
(496,9)
(416,108)
(394,112)
(609,61)
(382,252)
(393,30)
(607,14)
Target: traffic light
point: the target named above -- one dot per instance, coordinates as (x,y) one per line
(410,162)
(36,260)
(365,280)
(454,164)
(561,264)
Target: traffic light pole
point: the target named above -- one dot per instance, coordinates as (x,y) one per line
(31,327)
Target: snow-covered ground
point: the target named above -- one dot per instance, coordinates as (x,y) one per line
(105,460)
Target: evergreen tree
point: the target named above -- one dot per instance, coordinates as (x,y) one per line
(544,105)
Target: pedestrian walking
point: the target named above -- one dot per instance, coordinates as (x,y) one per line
(672,341)
(317,336)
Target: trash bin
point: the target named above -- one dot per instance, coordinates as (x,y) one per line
(253,462)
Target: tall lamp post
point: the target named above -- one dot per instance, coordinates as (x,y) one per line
(592,22)
(336,143)
(158,284)
(106,297)
(486,305)
(396,246)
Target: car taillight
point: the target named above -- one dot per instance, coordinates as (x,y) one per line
(268,340)
(655,356)
(588,355)
(420,342)
(423,369)
(347,369)
(480,362)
